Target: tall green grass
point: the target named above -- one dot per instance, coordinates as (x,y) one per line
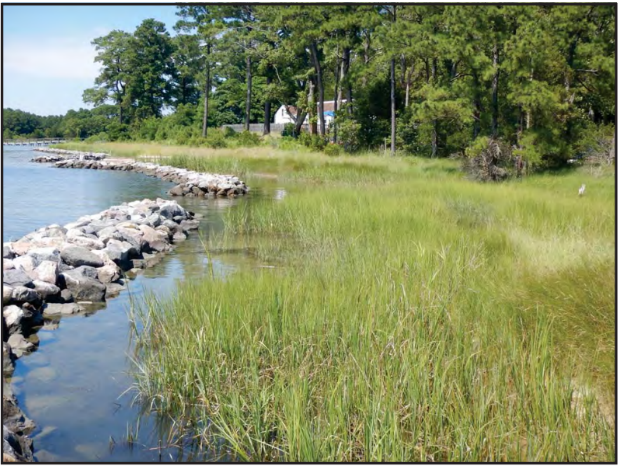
(412,316)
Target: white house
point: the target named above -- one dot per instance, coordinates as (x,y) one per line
(283,117)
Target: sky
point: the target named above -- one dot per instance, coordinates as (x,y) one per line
(48,59)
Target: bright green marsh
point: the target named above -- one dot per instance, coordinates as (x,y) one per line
(409,315)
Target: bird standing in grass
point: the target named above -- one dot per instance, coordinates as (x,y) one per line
(582,189)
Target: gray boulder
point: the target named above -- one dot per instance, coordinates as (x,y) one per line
(108,273)
(109,233)
(16,277)
(179,236)
(154,220)
(57,309)
(46,290)
(7,252)
(22,295)
(189,225)
(83,283)
(8,366)
(78,256)
(26,263)
(45,254)
(13,316)
(66,296)
(19,345)
(46,271)
(7,292)
(170,210)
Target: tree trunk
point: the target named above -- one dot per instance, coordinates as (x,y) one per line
(408,84)
(267,122)
(120,112)
(248,98)
(311,106)
(205,114)
(393,105)
(319,84)
(337,92)
(477,105)
(366,57)
(299,121)
(495,87)
(434,139)
(393,93)
(349,87)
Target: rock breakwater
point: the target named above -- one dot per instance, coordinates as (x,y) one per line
(62,270)
(189,183)
(63,154)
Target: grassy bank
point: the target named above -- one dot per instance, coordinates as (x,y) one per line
(410,315)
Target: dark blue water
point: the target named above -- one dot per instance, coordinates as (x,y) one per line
(73,385)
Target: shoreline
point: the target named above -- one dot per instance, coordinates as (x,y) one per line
(58,270)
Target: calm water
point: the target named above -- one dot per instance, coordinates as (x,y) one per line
(72,386)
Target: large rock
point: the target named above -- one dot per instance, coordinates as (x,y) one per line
(16,277)
(87,242)
(13,316)
(46,290)
(78,256)
(108,273)
(7,292)
(189,224)
(154,220)
(26,263)
(57,309)
(7,264)
(170,210)
(22,295)
(8,366)
(22,247)
(109,233)
(83,283)
(15,428)
(46,271)
(7,252)
(154,240)
(51,254)
(19,345)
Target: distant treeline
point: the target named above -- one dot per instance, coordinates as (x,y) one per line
(539,77)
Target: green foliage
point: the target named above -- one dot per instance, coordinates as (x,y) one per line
(540,77)
(333,149)
(229,132)
(312,141)
(248,139)
(215,139)
(289,130)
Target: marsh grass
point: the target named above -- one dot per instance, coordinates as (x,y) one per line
(417,316)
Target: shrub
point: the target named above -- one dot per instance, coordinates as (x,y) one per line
(289,130)
(333,149)
(215,139)
(349,135)
(313,141)
(229,132)
(489,159)
(248,139)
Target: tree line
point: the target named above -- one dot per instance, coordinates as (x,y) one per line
(432,80)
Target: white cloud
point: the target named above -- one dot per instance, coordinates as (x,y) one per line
(67,58)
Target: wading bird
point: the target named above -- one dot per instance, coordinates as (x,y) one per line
(582,189)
